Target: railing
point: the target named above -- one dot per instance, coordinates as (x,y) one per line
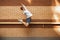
(30,23)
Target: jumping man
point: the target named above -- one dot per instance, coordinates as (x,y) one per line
(28,15)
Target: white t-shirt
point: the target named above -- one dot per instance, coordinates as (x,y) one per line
(26,12)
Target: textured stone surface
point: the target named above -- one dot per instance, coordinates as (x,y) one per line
(14,12)
(33,2)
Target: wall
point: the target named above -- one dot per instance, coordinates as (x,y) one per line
(41,9)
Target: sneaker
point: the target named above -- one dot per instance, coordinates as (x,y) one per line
(20,20)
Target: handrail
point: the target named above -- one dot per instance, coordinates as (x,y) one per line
(30,23)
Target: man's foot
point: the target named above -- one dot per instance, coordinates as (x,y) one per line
(20,20)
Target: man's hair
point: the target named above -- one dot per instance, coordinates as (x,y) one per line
(21,8)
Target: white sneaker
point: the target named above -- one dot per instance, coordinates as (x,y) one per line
(20,20)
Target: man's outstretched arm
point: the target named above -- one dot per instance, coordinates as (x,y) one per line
(57,3)
(23,6)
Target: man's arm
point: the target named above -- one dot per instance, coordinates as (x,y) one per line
(24,6)
(57,3)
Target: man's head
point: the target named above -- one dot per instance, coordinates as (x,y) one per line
(22,8)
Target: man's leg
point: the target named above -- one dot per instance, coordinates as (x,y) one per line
(26,24)
(28,20)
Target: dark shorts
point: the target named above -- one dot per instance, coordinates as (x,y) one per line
(28,20)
